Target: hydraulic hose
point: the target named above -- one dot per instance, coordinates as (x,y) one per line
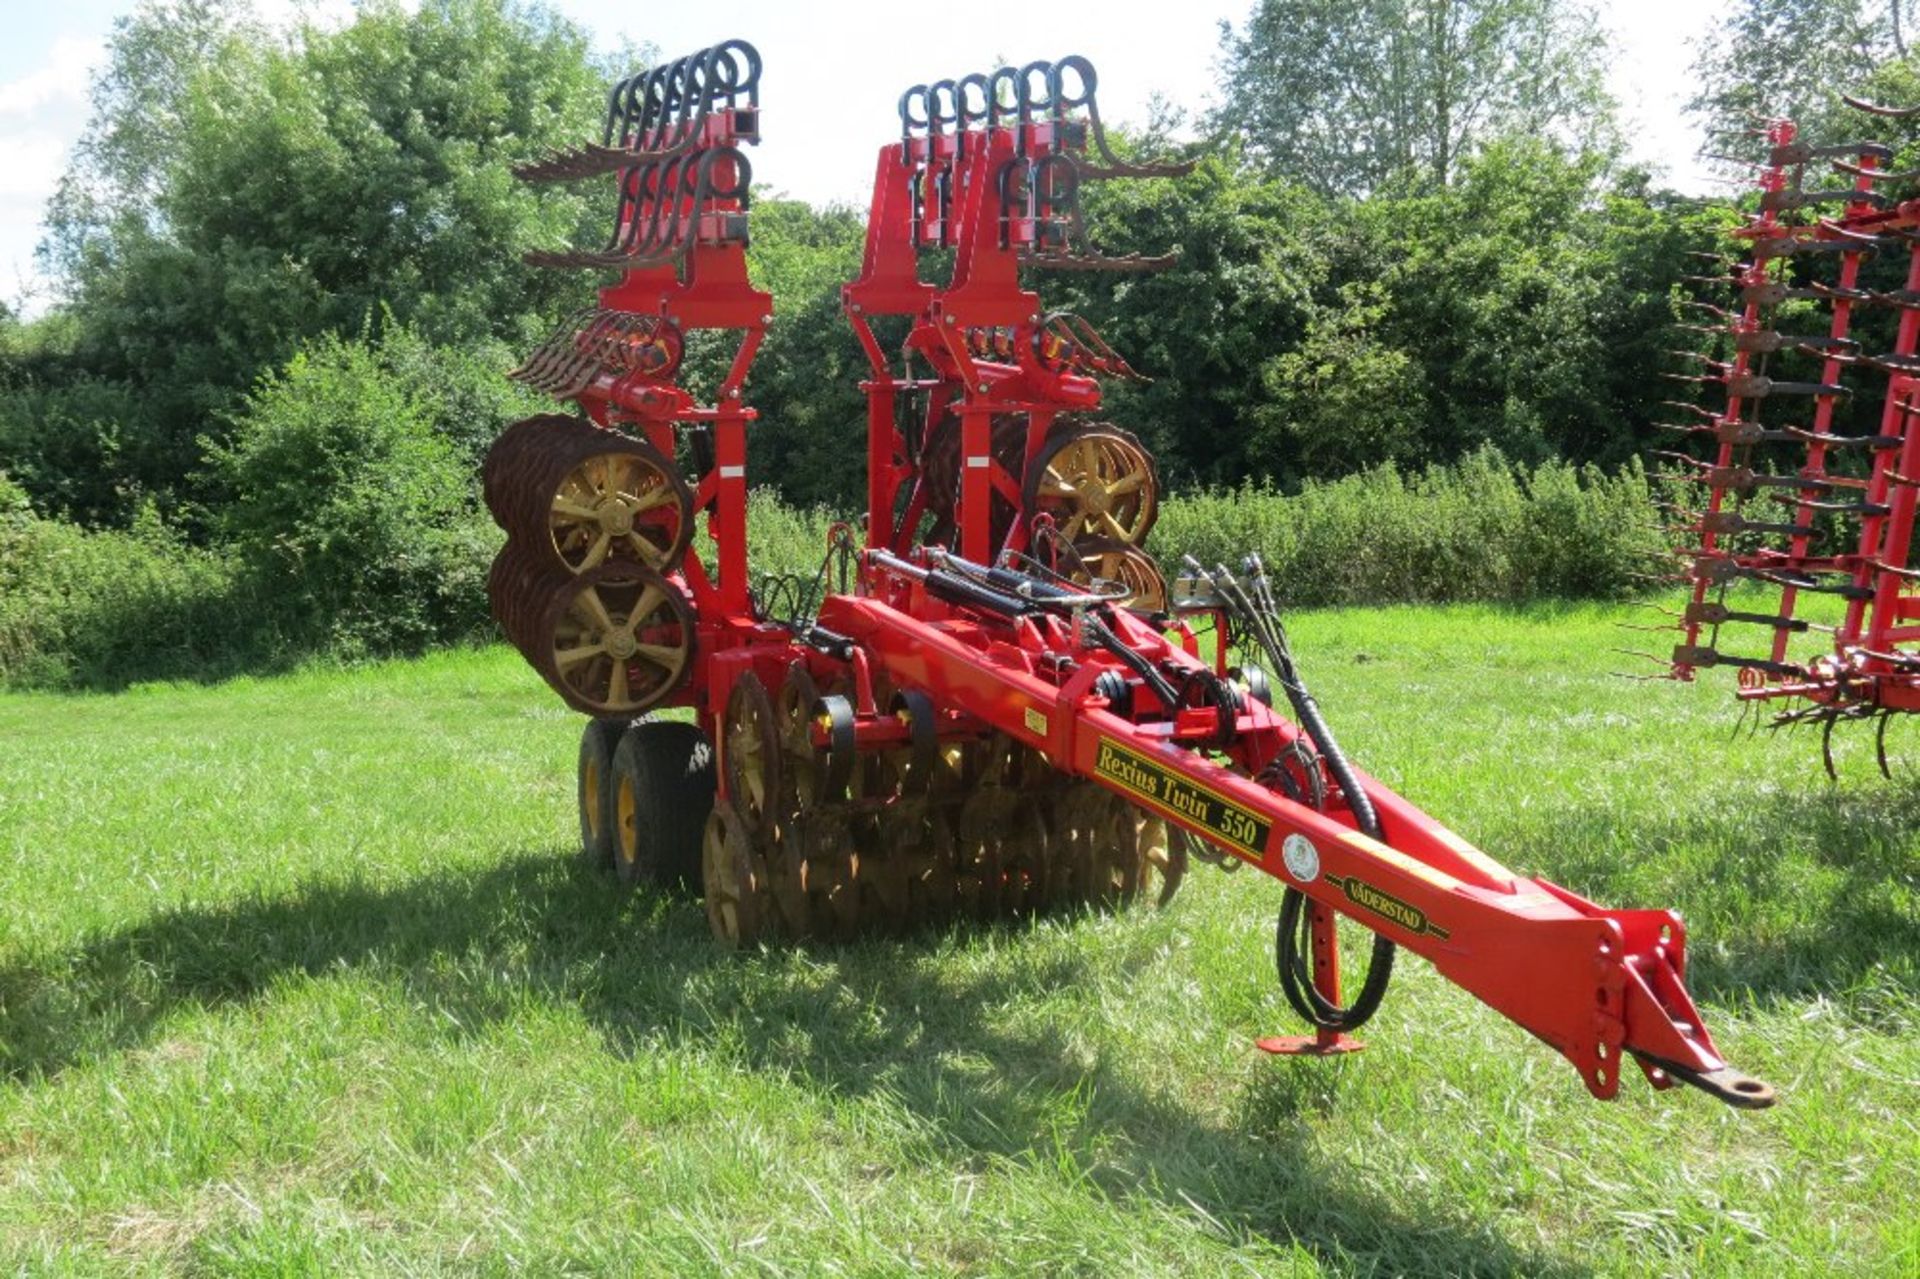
(1293,931)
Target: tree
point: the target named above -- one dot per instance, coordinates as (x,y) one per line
(1794,58)
(239,193)
(1355,96)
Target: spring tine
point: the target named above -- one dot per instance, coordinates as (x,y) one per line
(1682,458)
(1703,655)
(1713,613)
(1853,170)
(1754,386)
(1894,362)
(1880,745)
(1649,657)
(1791,153)
(1875,108)
(1703,359)
(1695,409)
(1862,509)
(1826,747)
(1784,201)
(1844,441)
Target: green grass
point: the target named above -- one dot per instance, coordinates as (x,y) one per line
(298,975)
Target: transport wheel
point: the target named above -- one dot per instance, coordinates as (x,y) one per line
(751,753)
(1111,560)
(663,782)
(1094,480)
(616,640)
(506,472)
(941,474)
(627,503)
(734,883)
(595,790)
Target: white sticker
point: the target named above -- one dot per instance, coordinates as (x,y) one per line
(978,461)
(732,472)
(1301,857)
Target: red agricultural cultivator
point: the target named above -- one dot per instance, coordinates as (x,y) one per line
(1801,517)
(989,701)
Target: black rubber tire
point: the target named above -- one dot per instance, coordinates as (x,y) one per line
(594,790)
(663,783)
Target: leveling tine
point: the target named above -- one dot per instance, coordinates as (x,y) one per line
(1875,108)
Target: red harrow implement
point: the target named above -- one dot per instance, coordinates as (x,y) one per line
(1795,526)
(991,702)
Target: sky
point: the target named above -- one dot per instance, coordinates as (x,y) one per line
(833,74)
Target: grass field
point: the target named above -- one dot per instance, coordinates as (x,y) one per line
(299,975)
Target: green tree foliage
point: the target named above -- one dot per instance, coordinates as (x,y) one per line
(1354,96)
(1794,58)
(1527,305)
(810,440)
(238,194)
(350,504)
(1252,254)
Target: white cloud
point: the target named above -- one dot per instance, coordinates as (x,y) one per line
(63,80)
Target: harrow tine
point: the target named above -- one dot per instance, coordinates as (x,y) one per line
(1880,745)
(1785,201)
(1863,509)
(1853,170)
(1756,386)
(1843,441)
(1714,613)
(1875,108)
(1703,655)
(1793,153)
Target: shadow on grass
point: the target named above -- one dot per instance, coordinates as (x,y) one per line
(892,1018)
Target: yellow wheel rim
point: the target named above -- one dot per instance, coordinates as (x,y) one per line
(1099,485)
(620,645)
(627,841)
(590,796)
(616,506)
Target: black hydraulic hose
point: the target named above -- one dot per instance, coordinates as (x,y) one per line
(1293,931)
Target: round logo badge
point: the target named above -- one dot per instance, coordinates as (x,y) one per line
(1301,857)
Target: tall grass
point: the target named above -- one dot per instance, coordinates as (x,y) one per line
(89,607)
(105,608)
(1482,529)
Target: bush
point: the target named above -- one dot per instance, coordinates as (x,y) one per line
(351,506)
(103,609)
(1482,529)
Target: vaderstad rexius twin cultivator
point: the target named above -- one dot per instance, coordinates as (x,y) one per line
(989,702)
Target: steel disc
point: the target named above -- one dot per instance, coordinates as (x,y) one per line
(750,746)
